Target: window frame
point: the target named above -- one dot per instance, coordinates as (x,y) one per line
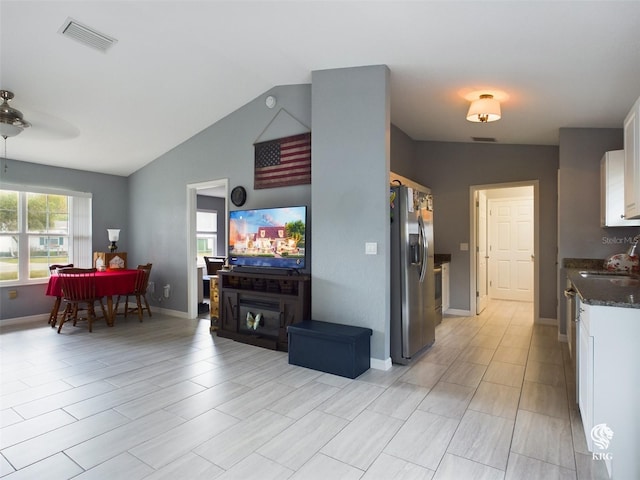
(79,230)
(208,233)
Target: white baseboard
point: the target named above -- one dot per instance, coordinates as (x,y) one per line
(457,312)
(378,364)
(547,321)
(168,311)
(42,317)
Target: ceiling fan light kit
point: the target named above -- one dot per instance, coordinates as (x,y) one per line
(485,109)
(11,120)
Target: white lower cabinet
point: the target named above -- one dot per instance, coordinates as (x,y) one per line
(608,370)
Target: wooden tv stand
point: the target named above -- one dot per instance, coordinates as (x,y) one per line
(281,300)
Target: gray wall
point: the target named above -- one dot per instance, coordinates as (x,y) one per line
(579,231)
(110,209)
(353,147)
(451,168)
(218,204)
(350,170)
(158,192)
(403,153)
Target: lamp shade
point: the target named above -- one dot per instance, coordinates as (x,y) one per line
(485,109)
(114,234)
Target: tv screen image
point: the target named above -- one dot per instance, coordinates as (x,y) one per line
(268,237)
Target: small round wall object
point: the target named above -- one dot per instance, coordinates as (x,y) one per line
(270,101)
(238,196)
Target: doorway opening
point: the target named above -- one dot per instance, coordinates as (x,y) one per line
(504,242)
(212,188)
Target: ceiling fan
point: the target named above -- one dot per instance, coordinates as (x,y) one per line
(43,126)
(11,120)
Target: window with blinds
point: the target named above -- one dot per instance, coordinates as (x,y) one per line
(40,227)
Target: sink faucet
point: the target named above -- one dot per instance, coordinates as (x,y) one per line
(634,244)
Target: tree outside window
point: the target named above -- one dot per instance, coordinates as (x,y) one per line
(34,233)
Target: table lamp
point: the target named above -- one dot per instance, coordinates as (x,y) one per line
(114,236)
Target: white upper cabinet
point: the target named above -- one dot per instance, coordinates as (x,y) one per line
(632,162)
(612,191)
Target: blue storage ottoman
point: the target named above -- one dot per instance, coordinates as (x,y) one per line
(330,347)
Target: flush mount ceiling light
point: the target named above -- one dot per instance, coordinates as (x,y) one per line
(11,120)
(485,109)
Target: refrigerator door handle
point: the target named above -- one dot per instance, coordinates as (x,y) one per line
(424,246)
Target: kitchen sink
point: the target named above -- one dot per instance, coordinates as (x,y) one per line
(618,278)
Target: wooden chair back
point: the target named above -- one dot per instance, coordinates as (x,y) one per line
(78,284)
(142,279)
(213,264)
(58,266)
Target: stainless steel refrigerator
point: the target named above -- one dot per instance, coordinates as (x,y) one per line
(413,305)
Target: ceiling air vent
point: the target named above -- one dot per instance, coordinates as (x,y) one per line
(483,139)
(87,36)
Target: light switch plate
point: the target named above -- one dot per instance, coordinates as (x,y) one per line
(464,247)
(371,248)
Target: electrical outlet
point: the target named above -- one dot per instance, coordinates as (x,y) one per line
(167,288)
(152,287)
(13,294)
(371,248)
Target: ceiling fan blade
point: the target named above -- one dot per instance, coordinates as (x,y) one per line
(48,127)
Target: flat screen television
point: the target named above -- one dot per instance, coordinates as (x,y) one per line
(268,237)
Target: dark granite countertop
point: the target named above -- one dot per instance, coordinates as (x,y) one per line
(605,292)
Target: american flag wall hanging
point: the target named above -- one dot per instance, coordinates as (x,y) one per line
(283,162)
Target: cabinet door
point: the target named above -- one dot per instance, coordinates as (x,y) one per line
(612,191)
(290,313)
(585,374)
(632,163)
(229,311)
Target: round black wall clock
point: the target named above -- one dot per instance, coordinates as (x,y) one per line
(238,196)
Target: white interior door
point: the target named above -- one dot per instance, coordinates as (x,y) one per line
(511,249)
(482,284)
(217,188)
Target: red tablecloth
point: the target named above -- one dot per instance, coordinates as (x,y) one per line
(111,282)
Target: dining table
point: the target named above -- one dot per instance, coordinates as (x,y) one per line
(108,283)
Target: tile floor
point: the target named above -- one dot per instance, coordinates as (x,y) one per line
(163,399)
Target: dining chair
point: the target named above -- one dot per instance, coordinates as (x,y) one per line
(53,316)
(78,291)
(139,291)
(213,264)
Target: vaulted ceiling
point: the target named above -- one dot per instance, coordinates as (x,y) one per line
(180,66)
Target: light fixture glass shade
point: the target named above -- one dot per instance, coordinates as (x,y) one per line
(485,109)
(9,130)
(114,234)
